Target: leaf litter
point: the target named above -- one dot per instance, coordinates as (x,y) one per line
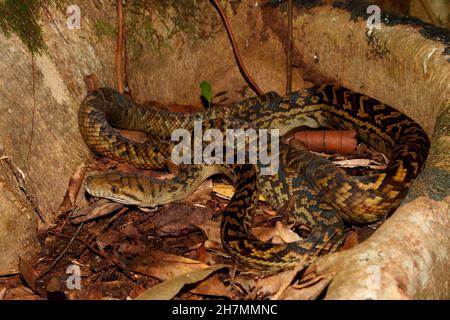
(172,252)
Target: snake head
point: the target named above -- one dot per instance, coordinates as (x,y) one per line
(122,188)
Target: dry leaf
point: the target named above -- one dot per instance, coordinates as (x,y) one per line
(281,233)
(100,208)
(163,266)
(353,163)
(202,194)
(21,293)
(93,291)
(307,293)
(132,249)
(351,240)
(170,288)
(270,285)
(105,239)
(177,219)
(212,286)
(245,281)
(211,229)
(2,293)
(28,273)
(226,191)
(75,183)
(267,209)
(55,288)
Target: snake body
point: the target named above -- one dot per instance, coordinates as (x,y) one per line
(324,194)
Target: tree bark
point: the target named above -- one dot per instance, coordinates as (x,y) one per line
(400,64)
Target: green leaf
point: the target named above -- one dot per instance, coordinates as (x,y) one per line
(205,87)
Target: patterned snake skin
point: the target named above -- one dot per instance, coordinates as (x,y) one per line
(324,194)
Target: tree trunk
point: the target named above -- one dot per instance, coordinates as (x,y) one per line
(403,64)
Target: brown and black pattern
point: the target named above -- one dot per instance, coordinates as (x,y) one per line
(325,194)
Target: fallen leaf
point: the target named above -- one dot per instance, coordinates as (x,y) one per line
(98,209)
(75,183)
(267,209)
(92,291)
(132,249)
(108,239)
(2,293)
(211,229)
(202,194)
(55,289)
(351,240)
(245,282)
(21,293)
(281,233)
(177,219)
(227,191)
(163,266)
(212,286)
(28,273)
(358,235)
(307,293)
(353,163)
(117,289)
(131,231)
(170,288)
(268,286)
(211,256)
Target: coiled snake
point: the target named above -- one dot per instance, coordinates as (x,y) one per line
(324,194)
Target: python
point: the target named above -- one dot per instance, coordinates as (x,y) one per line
(239,143)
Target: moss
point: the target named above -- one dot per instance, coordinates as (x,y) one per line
(21,17)
(103,28)
(156,21)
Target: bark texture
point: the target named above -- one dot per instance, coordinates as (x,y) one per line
(399,64)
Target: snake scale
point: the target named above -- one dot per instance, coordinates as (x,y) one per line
(325,196)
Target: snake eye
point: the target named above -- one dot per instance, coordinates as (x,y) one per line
(114,189)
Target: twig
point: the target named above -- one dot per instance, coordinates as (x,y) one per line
(63,253)
(119,47)
(289,50)
(114,218)
(97,252)
(246,75)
